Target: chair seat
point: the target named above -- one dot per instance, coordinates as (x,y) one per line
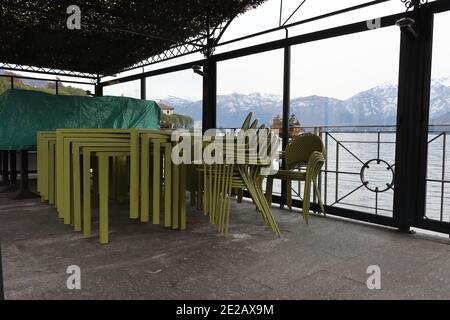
(290,175)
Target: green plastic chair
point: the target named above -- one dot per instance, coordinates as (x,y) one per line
(246,123)
(221,179)
(303,159)
(238,190)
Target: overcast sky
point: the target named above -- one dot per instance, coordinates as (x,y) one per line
(338,67)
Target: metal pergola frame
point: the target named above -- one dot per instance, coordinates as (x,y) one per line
(413,105)
(412,110)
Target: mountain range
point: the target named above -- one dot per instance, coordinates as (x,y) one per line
(376,106)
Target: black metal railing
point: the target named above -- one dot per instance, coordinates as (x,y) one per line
(352,151)
(337,191)
(345,180)
(438,200)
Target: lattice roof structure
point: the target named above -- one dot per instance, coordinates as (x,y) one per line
(115,35)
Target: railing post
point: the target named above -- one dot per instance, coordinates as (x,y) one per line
(286,113)
(412,121)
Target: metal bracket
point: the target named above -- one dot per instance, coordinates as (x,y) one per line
(407,23)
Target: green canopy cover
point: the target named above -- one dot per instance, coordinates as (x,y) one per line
(23,113)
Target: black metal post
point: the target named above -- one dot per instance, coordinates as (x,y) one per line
(24,192)
(412,121)
(11,172)
(143,88)
(286,112)
(24,170)
(209,119)
(5,169)
(98,89)
(57,87)
(12,82)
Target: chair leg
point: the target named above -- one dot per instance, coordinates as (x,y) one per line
(167,186)
(221,199)
(156,181)
(260,201)
(95,182)
(199,190)
(113,178)
(269,189)
(192,183)
(76,177)
(103,203)
(306,200)
(228,199)
(210,179)
(240,194)
(134,175)
(319,198)
(182,199)
(51,176)
(145,176)
(175,195)
(289,194)
(206,190)
(86,195)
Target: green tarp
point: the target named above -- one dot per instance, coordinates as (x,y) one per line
(23,112)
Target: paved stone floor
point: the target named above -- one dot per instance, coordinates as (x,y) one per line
(326,259)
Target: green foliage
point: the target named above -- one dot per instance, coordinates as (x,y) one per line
(176,121)
(5,84)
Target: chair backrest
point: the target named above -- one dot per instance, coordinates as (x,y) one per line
(254,124)
(247,120)
(299,149)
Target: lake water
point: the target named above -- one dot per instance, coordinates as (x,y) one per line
(354,150)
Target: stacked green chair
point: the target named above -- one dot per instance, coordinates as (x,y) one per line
(204,185)
(303,159)
(221,179)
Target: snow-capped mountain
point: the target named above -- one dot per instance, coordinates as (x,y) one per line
(376,106)
(440,100)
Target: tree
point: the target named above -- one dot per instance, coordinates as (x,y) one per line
(176,121)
